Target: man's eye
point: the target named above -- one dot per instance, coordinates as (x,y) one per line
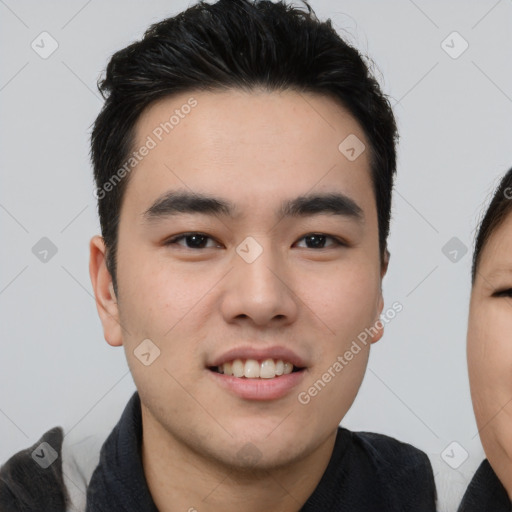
(193,241)
(318,241)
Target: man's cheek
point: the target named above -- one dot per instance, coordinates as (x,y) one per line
(349,322)
(334,383)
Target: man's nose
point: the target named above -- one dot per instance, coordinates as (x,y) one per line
(259,288)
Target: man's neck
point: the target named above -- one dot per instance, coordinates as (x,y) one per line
(182,480)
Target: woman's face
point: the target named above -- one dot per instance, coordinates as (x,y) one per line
(490,350)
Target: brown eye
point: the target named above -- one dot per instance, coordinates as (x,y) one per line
(319,241)
(193,241)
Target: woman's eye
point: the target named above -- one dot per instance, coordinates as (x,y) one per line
(503,293)
(193,241)
(318,241)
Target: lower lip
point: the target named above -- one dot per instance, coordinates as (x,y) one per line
(259,389)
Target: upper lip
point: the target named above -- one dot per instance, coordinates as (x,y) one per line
(260,354)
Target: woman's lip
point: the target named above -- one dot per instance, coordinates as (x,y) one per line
(259,389)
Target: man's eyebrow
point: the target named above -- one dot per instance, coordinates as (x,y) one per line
(315,204)
(176,202)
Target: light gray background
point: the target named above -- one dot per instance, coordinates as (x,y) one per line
(454,120)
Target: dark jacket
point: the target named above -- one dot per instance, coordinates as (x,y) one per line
(366,473)
(485,492)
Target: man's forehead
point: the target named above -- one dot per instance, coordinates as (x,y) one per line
(185,156)
(318,112)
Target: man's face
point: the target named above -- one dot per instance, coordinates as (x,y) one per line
(490,350)
(287,268)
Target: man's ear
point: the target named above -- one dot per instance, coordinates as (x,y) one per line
(378,326)
(384,264)
(106,301)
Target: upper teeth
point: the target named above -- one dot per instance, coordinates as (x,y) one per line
(253,369)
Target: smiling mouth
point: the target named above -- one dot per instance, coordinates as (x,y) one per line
(254,369)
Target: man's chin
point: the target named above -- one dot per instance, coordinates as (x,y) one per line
(250,459)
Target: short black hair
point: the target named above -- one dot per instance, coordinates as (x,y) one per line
(235,44)
(498,209)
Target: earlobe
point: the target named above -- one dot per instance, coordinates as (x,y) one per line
(106,300)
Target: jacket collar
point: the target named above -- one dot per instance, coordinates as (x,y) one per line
(118,483)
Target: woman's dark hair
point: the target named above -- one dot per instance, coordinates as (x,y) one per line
(235,44)
(498,209)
